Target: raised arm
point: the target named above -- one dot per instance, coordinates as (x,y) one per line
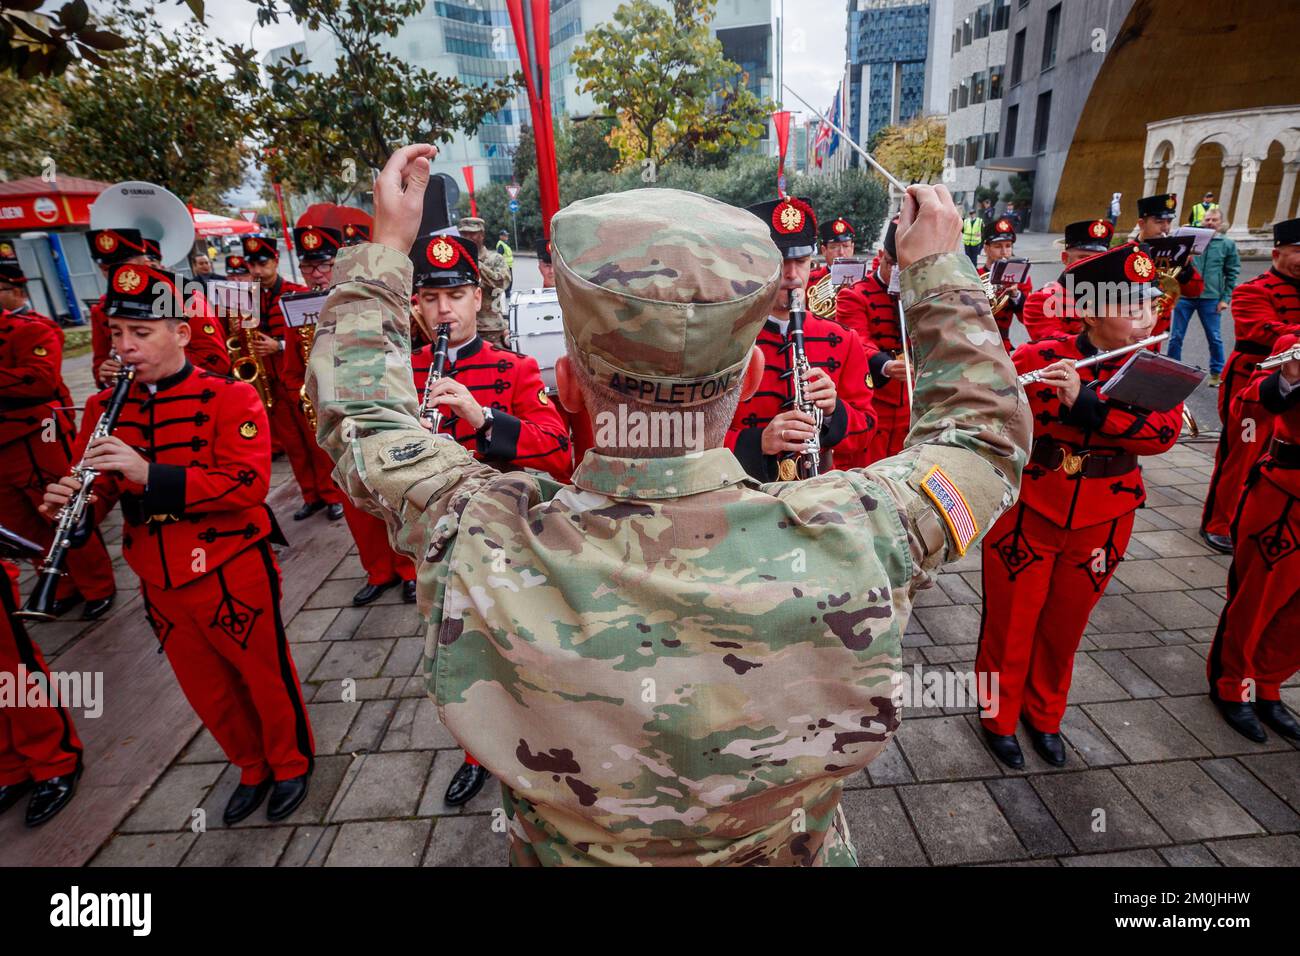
(970,440)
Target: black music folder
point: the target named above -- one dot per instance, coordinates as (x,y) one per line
(1153,382)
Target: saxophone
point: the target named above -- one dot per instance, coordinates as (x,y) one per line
(306,336)
(74,518)
(806,463)
(245,364)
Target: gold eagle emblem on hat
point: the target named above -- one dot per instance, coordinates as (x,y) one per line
(106,242)
(311,240)
(789,218)
(1140,267)
(1098,229)
(6,250)
(841,225)
(1003,225)
(442,253)
(128,280)
(1171,200)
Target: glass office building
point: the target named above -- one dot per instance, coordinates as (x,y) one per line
(887,42)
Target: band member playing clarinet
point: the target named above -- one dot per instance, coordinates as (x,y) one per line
(767,427)
(1046,562)
(190,462)
(488,399)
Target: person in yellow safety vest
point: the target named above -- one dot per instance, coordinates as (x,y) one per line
(504,250)
(972,234)
(1197,215)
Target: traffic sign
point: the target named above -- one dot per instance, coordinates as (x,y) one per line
(514,205)
(512,191)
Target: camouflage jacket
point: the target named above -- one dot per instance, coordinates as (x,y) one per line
(666,662)
(496,279)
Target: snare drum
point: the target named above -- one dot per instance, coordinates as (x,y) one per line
(537,330)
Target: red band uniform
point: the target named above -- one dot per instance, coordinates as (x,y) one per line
(383,565)
(998,232)
(846,431)
(869,309)
(1263,310)
(1258,639)
(40,743)
(311,467)
(1050,310)
(198,535)
(36,430)
(1047,561)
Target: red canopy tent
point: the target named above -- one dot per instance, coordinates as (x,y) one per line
(34,203)
(210,224)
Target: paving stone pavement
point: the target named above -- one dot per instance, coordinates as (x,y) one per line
(1154,777)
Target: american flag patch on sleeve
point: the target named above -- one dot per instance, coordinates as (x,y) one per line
(952,505)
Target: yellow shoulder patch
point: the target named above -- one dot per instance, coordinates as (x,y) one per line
(210,329)
(541,396)
(248,430)
(40,350)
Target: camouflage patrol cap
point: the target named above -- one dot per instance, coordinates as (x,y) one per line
(472,224)
(663,292)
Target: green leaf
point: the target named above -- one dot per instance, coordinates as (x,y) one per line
(196,8)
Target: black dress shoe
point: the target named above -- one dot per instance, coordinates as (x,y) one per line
(11,793)
(285,797)
(1006,748)
(63,605)
(408,592)
(1219,542)
(334,512)
(1242,718)
(371,592)
(466,784)
(51,796)
(94,610)
(246,798)
(1276,715)
(1048,746)
(307,510)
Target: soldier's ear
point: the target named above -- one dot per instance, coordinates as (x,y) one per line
(567,388)
(753,373)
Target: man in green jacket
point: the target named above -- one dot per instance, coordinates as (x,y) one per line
(1219,265)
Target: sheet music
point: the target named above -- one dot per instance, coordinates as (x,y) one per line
(1201,237)
(234,298)
(302,308)
(847,271)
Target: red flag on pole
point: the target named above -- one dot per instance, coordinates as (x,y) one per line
(531,21)
(468,173)
(781,120)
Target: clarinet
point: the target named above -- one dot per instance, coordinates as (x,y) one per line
(428,409)
(806,463)
(74,518)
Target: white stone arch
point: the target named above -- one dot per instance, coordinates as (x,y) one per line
(1245,137)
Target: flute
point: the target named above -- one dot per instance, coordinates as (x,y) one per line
(1029,378)
(1281,358)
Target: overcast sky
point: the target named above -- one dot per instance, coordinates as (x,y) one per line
(814,39)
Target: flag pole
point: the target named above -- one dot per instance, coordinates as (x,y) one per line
(890,177)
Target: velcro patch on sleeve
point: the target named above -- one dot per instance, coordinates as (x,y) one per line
(952,505)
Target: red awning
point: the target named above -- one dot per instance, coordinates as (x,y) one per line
(210,224)
(34,203)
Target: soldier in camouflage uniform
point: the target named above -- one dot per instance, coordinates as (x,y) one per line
(495,280)
(666,662)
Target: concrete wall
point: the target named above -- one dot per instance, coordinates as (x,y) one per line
(1173,58)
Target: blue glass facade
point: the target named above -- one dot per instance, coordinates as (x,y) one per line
(890,39)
